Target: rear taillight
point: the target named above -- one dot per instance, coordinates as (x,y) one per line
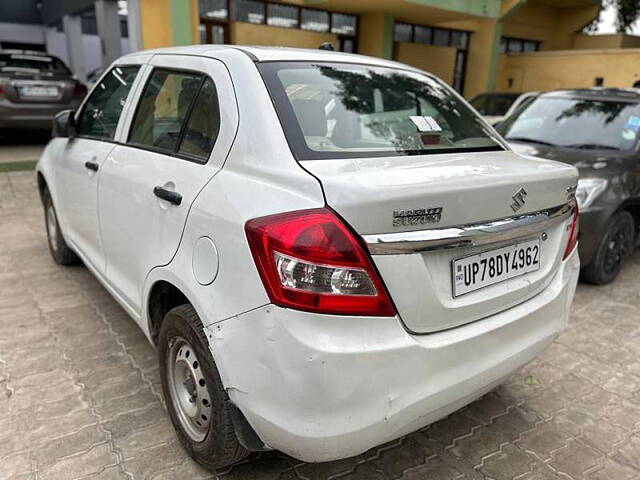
(573,233)
(1,91)
(310,260)
(79,90)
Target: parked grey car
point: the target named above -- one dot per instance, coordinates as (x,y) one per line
(34,87)
(495,107)
(598,131)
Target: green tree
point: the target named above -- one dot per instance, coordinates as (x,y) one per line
(627,13)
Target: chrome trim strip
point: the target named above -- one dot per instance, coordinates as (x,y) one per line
(467,235)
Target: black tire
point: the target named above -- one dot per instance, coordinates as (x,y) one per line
(59,249)
(616,244)
(220,446)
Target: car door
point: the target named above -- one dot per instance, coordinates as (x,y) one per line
(78,171)
(183,126)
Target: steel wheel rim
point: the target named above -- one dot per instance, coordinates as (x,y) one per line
(52,227)
(188,389)
(615,251)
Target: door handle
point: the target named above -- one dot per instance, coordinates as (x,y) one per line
(168,195)
(92,165)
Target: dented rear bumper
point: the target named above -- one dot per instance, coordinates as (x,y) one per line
(322,387)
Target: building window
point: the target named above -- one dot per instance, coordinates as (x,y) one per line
(423,34)
(342,24)
(216,9)
(440,37)
(518,45)
(403,32)
(314,20)
(249,11)
(214,19)
(282,15)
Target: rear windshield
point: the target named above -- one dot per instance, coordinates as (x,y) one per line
(23,63)
(345,111)
(493,105)
(576,123)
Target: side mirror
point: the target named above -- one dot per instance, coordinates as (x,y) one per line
(64,124)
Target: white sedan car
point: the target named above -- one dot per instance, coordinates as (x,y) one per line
(329,251)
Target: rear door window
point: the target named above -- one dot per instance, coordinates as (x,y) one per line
(177,113)
(101,112)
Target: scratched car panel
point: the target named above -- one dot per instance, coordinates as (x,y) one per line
(281,223)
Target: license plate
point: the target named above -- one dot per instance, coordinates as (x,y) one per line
(36,91)
(487,268)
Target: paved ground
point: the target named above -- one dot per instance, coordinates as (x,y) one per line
(79,388)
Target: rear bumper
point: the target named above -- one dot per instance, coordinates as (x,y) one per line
(321,388)
(31,115)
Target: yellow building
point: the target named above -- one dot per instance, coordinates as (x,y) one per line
(474,45)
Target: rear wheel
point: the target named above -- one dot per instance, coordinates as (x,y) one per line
(198,405)
(59,249)
(616,244)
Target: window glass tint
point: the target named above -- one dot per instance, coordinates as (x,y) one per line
(250,11)
(402,32)
(101,112)
(213,8)
(342,111)
(343,24)
(503,45)
(315,20)
(494,104)
(530,46)
(423,34)
(459,39)
(162,109)
(17,63)
(576,122)
(441,37)
(514,46)
(203,124)
(282,15)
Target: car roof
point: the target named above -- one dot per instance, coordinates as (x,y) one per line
(598,93)
(275,54)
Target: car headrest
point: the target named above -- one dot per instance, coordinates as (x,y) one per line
(311,116)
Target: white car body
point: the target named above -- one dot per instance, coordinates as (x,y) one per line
(317,386)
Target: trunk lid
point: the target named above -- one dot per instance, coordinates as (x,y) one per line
(469,188)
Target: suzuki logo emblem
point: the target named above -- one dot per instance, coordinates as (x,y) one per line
(518,199)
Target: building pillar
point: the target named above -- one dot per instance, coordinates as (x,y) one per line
(72,27)
(375,34)
(108,23)
(134,25)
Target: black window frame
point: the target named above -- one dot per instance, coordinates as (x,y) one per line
(175,154)
(506,42)
(78,114)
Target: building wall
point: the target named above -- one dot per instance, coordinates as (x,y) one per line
(588,42)
(250,34)
(568,69)
(22,33)
(437,60)
(57,45)
(554,27)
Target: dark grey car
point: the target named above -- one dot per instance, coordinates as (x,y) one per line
(598,131)
(34,87)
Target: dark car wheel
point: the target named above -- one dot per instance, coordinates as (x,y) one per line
(198,405)
(59,249)
(615,245)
